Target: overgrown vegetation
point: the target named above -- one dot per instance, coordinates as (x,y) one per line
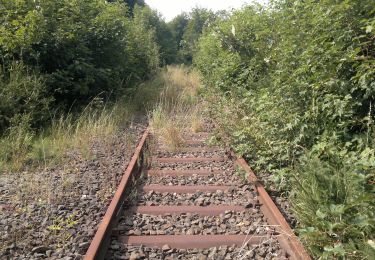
(186,29)
(64,65)
(292,87)
(177,108)
(79,49)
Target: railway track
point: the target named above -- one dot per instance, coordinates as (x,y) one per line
(198,203)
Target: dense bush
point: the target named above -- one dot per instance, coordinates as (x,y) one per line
(292,86)
(57,58)
(22,91)
(81,49)
(152,20)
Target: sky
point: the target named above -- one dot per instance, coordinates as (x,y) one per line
(171,8)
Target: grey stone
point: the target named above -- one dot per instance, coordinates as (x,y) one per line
(134,255)
(166,248)
(40,249)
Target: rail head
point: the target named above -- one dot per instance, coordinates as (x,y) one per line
(101,240)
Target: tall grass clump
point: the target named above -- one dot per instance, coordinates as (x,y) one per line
(23,105)
(72,134)
(22,148)
(15,145)
(334,202)
(75,134)
(176,108)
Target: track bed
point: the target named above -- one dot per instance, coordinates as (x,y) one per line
(194,203)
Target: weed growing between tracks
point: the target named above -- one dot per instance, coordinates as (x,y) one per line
(177,108)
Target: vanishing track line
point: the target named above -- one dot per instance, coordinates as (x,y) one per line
(192,204)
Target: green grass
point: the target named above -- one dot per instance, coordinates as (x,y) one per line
(335,207)
(177,108)
(23,149)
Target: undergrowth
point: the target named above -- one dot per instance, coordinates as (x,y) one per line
(177,107)
(22,148)
(291,88)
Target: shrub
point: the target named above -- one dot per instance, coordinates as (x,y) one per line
(333,201)
(56,57)
(82,48)
(290,79)
(23,94)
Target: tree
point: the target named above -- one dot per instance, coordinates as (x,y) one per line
(177,27)
(164,37)
(131,4)
(199,18)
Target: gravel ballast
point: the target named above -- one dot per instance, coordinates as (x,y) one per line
(54,213)
(249,222)
(196,179)
(214,166)
(228,223)
(190,154)
(232,196)
(269,249)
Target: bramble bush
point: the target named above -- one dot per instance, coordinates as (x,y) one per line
(292,88)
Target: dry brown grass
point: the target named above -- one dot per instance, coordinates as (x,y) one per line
(177,107)
(197,122)
(22,150)
(167,126)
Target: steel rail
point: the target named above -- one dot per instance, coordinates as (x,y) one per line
(287,239)
(99,245)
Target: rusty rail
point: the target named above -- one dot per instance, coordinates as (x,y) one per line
(288,240)
(99,245)
(98,248)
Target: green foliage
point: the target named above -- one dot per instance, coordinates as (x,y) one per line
(186,30)
(82,48)
(16,143)
(23,148)
(177,26)
(292,79)
(22,93)
(199,18)
(131,4)
(57,57)
(334,202)
(152,20)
